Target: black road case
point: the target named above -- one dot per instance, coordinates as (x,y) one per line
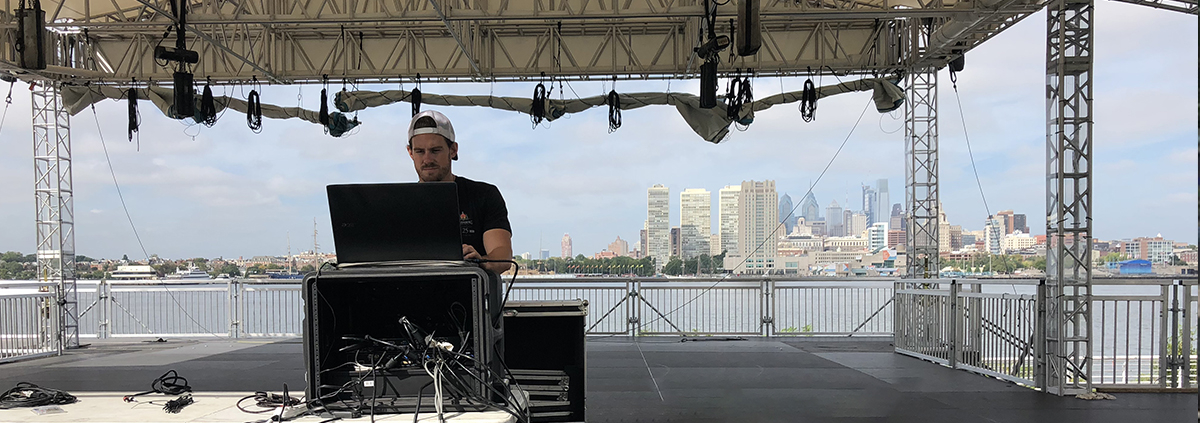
(545,351)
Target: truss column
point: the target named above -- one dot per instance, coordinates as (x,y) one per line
(1067,365)
(55,206)
(921,178)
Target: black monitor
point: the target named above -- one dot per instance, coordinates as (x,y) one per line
(395,222)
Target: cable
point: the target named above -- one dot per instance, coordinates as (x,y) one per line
(978,182)
(208,108)
(614,110)
(135,118)
(537,110)
(26,394)
(7,102)
(771,236)
(176,405)
(808,101)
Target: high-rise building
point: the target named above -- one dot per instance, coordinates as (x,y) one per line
(956,238)
(809,209)
(786,217)
(714,244)
(643,242)
(544,254)
(943,230)
(620,247)
(993,231)
(1020,224)
(676,245)
(858,224)
(658,224)
(566,246)
(897,210)
(695,221)
(757,219)
(1155,249)
(882,212)
(868,203)
(877,237)
(833,219)
(847,221)
(727,217)
(896,237)
(1006,219)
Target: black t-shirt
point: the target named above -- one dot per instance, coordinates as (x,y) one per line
(481,208)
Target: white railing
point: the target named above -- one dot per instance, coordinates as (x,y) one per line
(28,323)
(1143,330)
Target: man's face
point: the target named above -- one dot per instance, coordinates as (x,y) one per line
(431,155)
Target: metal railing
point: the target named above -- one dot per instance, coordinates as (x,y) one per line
(1142,329)
(28,324)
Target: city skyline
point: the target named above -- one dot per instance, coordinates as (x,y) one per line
(194,191)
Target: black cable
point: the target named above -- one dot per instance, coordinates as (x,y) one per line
(743,98)
(208,107)
(135,118)
(323,115)
(26,394)
(268,401)
(614,111)
(731,106)
(254,111)
(170,383)
(176,405)
(537,110)
(808,101)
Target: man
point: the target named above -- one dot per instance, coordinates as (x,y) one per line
(483,218)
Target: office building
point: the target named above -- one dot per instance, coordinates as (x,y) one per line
(882,212)
(786,217)
(658,224)
(993,230)
(809,208)
(676,245)
(868,203)
(727,217)
(833,219)
(858,224)
(695,221)
(714,244)
(757,219)
(544,254)
(1155,249)
(566,246)
(643,243)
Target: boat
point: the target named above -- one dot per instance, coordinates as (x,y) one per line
(191,273)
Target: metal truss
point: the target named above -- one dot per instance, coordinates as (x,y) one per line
(1066,367)
(55,206)
(459,40)
(921,178)
(1185,6)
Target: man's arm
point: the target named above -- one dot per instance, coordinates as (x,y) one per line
(498,243)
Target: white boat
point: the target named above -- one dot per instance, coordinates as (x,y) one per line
(190,273)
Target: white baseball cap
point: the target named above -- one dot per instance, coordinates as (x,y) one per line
(443,128)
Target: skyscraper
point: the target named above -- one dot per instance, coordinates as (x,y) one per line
(658,224)
(566,246)
(809,209)
(727,217)
(676,246)
(833,219)
(993,230)
(1020,224)
(1005,217)
(785,213)
(868,203)
(758,210)
(695,221)
(882,212)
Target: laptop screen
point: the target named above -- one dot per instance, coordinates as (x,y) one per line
(394,222)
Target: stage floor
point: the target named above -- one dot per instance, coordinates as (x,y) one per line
(646,379)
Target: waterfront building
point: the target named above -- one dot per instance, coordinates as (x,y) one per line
(567,247)
(727,217)
(1016,241)
(658,224)
(786,217)
(695,221)
(1154,249)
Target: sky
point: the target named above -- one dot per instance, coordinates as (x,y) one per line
(193,191)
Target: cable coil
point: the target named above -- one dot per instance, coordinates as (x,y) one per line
(808,101)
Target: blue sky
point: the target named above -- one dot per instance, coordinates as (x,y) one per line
(225,191)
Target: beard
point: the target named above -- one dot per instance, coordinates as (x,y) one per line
(433,174)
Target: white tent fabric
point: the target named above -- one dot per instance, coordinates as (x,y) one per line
(711,124)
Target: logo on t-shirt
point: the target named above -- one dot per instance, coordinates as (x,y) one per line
(466,224)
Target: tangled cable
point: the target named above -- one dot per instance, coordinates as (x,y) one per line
(737,95)
(614,111)
(268,401)
(135,119)
(26,394)
(808,101)
(170,383)
(416,97)
(537,111)
(323,115)
(208,107)
(176,405)
(254,111)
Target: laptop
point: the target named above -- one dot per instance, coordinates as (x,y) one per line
(395,222)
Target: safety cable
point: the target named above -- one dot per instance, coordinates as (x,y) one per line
(770,236)
(978,182)
(614,108)
(7,102)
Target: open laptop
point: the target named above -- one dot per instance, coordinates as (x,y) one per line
(394,222)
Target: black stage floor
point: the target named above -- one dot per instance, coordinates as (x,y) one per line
(655,380)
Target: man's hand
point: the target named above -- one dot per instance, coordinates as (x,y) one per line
(469,253)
